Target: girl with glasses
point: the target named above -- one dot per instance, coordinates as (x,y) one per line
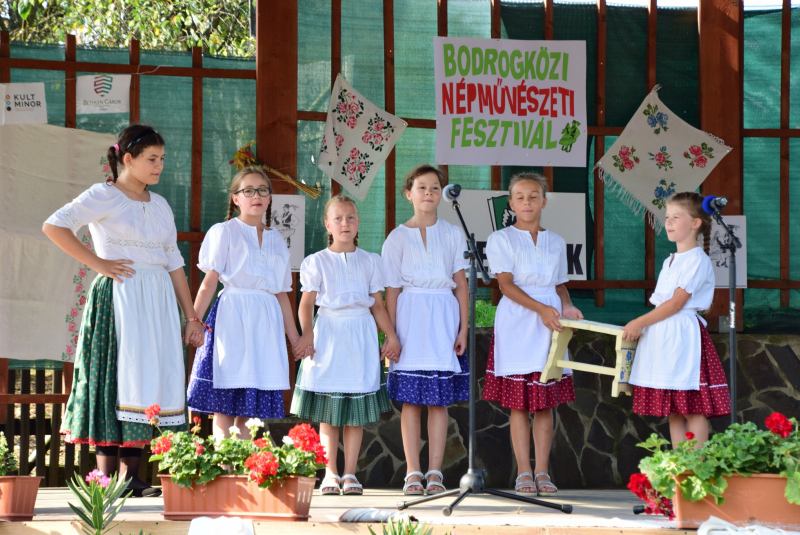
(242,368)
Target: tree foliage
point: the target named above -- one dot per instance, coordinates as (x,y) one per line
(221,27)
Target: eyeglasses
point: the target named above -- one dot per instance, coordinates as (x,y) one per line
(137,140)
(250,192)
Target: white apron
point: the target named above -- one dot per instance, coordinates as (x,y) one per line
(249,341)
(149,349)
(668,354)
(521,340)
(427,326)
(347,357)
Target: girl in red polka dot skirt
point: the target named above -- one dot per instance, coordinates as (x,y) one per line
(677,371)
(530,264)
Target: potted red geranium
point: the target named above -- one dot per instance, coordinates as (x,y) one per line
(254,479)
(742,475)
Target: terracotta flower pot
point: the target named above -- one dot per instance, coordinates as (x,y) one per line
(17,497)
(759,497)
(288,500)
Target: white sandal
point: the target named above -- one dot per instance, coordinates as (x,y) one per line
(439,483)
(351,489)
(547,483)
(526,484)
(413,484)
(330,482)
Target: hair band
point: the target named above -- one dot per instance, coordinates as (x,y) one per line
(116,147)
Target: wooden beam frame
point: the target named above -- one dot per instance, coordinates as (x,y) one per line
(650,82)
(547,20)
(336,62)
(599,151)
(785,243)
(390,191)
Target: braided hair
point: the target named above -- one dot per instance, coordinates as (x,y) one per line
(236,186)
(133,140)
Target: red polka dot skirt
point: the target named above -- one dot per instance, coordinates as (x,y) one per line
(525,392)
(712,399)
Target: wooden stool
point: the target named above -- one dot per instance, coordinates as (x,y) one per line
(625,349)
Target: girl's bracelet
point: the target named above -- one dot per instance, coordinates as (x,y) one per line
(190,320)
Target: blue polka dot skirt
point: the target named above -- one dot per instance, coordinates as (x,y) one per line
(426,387)
(247,402)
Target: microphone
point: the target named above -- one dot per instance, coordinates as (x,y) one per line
(712,204)
(451,193)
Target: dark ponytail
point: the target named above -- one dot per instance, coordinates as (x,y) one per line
(133,140)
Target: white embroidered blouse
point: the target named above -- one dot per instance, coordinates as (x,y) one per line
(121,228)
(342,280)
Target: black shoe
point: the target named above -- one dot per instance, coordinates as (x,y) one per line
(146,492)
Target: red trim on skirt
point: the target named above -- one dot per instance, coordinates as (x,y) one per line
(713,399)
(525,392)
(92,442)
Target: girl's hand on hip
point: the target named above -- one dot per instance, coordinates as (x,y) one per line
(632,331)
(115,269)
(550,317)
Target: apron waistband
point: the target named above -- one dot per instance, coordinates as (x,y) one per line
(416,290)
(152,267)
(533,291)
(342,312)
(244,291)
(692,313)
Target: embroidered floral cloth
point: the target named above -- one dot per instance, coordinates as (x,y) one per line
(358,138)
(43,290)
(657,155)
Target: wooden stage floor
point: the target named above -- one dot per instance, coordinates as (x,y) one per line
(596,512)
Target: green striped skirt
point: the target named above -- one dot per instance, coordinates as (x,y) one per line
(338,408)
(91,416)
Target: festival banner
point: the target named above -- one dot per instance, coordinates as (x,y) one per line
(23,104)
(103,93)
(510,102)
(486,211)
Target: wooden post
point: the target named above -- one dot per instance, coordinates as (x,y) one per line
(336,61)
(441,31)
(721,26)
(649,232)
(547,171)
(133,54)
(388,87)
(786,49)
(599,151)
(5,78)
(276,100)
(497,175)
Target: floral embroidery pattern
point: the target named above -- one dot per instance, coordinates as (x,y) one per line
(656,119)
(356,166)
(348,109)
(379,131)
(699,155)
(626,159)
(72,318)
(662,193)
(662,159)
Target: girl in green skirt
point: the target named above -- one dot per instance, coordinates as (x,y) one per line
(129,345)
(341,381)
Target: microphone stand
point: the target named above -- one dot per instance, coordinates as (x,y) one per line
(472,481)
(732,244)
